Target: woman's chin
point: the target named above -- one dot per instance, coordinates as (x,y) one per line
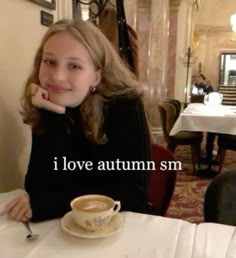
(58,102)
(64,103)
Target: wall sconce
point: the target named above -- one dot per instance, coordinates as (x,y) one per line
(233,22)
(89,9)
(188,59)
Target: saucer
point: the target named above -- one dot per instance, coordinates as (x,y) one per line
(210,104)
(69,226)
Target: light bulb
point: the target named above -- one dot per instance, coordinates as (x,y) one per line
(233,19)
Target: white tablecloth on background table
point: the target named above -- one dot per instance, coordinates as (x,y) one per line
(198,117)
(144,236)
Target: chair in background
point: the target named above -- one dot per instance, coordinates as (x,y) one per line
(177,105)
(197,98)
(220,201)
(168,115)
(225,142)
(162,182)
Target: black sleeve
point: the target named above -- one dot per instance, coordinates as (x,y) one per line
(48,196)
(130,141)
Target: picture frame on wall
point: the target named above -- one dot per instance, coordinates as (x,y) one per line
(50,4)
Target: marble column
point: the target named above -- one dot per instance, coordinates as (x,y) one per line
(171,63)
(144,15)
(156,88)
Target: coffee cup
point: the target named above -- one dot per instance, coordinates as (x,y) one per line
(94,212)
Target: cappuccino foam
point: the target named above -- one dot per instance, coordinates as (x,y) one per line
(93,205)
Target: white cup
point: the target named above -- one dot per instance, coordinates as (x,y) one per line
(213,99)
(94,212)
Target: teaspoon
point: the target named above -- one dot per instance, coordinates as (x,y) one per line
(31,236)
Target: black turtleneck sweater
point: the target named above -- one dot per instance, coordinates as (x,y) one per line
(52,185)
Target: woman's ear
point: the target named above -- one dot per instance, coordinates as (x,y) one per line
(97,77)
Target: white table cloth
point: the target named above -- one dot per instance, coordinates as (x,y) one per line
(198,117)
(143,236)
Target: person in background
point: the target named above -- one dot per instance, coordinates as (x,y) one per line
(210,136)
(199,84)
(83,105)
(210,139)
(202,86)
(208,87)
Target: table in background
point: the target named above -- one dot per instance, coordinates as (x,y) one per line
(198,117)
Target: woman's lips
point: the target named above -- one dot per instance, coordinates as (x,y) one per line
(57,89)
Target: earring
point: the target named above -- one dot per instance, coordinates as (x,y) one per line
(92,89)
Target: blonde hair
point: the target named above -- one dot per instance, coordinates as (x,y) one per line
(116,80)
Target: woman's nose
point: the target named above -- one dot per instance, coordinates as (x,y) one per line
(58,74)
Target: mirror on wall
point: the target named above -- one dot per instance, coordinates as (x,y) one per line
(228,69)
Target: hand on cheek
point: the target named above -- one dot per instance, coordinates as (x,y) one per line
(40,99)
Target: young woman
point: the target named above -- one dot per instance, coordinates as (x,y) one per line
(88,125)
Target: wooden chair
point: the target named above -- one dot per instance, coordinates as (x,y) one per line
(225,142)
(177,104)
(220,201)
(162,182)
(168,114)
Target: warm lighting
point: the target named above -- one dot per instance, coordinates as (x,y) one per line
(233,22)
(85,13)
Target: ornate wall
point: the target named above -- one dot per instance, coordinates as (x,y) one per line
(213,41)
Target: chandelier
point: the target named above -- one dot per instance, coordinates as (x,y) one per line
(233,22)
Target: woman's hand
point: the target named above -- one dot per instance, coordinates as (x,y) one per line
(40,99)
(19,208)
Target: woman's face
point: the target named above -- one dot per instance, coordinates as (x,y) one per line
(67,71)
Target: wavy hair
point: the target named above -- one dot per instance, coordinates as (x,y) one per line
(116,80)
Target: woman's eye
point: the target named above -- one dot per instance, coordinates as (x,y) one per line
(48,61)
(74,66)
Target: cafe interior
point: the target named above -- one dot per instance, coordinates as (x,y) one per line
(183,52)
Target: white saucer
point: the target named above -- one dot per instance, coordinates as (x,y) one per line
(69,226)
(212,104)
